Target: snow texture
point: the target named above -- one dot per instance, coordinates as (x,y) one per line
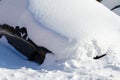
(75,30)
(111,4)
(75,21)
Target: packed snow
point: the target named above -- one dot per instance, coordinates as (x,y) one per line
(75,30)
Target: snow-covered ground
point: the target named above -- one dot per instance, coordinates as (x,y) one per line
(75,30)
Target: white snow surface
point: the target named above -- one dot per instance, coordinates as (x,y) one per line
(111,4)
(75,30)
(76,20)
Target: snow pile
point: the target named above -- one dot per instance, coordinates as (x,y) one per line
(75,17)
(91,27)
(76,31)
(78,20)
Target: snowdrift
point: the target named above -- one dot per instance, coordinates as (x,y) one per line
(78,21)
(76,31)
